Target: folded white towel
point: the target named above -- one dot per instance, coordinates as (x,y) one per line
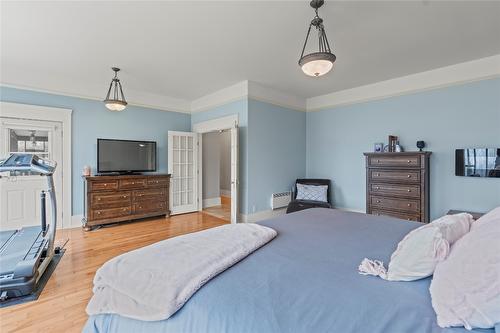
(153,282)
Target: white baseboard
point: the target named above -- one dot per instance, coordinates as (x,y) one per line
(263,215)
(225,193)
(76,222)
(210,202)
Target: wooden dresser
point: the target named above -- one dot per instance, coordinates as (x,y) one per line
(397,185)
(110,199)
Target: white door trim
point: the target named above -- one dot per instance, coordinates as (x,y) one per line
(217,124)
(35,112)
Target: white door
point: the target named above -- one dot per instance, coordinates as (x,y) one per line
(20,193)
(234,174)
(183,166)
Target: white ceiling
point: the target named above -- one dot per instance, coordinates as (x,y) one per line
(182,50)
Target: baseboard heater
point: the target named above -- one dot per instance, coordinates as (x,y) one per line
(281,199)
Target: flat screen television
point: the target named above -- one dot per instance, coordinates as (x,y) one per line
(477,162)
(125,156)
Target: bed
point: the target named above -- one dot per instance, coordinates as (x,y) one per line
(305,280)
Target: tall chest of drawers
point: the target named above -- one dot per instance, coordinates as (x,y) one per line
(397,185)
(110,199)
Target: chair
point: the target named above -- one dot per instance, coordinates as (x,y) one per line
(296,205)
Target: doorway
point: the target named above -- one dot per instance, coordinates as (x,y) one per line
(216,161)
(20,192)
(227,124)
(46,132)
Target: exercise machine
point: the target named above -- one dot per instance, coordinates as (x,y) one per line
(25,253)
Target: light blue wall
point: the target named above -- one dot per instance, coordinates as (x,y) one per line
(276,151)
(272,149)
(239,108)
(91,120)
(454,117)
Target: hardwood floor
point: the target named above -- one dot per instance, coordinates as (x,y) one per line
(61,306)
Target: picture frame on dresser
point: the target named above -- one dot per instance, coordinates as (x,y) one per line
(397,185)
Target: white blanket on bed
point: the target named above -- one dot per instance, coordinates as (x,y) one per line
(153,282)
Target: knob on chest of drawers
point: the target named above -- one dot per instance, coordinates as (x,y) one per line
(98,213)
(377,174)
(409,190)
(378,201)
(124,197)
(98,199)
(378,161)
(409,161)
(409,205)
(377,188)
(409,176)
(105,184)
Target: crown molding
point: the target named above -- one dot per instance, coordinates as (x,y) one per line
(248,89)
(262,93)
(220,97)
(475,70)
(134,98)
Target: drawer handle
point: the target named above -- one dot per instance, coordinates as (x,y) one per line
(409,219)
(124,209)
(105,184)
(98,213)
(378,174)
(409,176)
(124,197)
(140,206)
(377,188)
(409,190)
(157,182)
(140,195)
(378,161)
(133,183)
(378,201)
(98,199)
(409,205)
(409,161)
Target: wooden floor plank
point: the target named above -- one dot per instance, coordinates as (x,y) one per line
(61,306)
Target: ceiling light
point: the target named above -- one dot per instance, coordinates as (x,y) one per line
(321,62)
(115,100)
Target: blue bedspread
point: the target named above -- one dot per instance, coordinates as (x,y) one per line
(305,280)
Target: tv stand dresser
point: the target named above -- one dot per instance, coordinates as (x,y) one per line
(111,199)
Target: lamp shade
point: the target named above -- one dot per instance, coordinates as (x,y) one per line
(317,64)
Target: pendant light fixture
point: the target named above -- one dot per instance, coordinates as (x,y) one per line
(115,100)
(321,62)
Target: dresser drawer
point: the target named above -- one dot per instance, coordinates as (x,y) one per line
(150,207)
(103,185)
(396,190)
(407,205)
(158,182)
(150,195)
(109,200)
(98,214)
(129,184)
(394,161)
(400,176)
(399,215)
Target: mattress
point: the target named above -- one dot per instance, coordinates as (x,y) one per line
(305,280)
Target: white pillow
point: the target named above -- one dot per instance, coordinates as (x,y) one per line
(312,192)
(417,255)
(465,288)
